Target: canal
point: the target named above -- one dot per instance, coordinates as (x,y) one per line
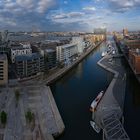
(75,92)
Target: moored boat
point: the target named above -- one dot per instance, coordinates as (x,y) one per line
(104,53)
(94,126)
(95,102)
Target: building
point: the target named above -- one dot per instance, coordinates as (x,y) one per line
(3,69)
(29,65)
(100,31)
(125,32)
(66,53)
(50,58)
(134,44)
(134,57)
(80,44)
(20,49)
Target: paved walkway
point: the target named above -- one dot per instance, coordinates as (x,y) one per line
(110,109)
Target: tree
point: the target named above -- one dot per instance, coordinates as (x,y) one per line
(29,116)
(17,94)
(3,117)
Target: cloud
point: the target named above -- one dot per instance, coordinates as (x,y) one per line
(123,5)
(89,8)
(67,15)
(23,14)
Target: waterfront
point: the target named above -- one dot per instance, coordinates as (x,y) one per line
(75,92)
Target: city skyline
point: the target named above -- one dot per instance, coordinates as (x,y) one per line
(69,15)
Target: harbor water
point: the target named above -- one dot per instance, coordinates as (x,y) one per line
(75,91)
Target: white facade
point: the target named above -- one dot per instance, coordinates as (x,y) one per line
(65,52)
(20,50)
(80,43)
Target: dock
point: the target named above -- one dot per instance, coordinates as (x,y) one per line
(110,109)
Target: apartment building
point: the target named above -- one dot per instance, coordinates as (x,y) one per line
(3,69)
(66,53)
(20,49)
(29,65)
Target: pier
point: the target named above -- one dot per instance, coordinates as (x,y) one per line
(110,109)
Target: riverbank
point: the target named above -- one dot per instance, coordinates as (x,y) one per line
(110,108)
(64,70)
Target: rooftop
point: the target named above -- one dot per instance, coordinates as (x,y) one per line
(50,50)
(27,57)
(68,45)
(3,57)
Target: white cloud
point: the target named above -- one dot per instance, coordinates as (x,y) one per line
(89,8)
(44,5)
(123,5)
(65,2)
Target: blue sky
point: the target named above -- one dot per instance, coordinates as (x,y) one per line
(69,15)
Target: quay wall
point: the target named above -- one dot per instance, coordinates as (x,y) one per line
(63,71)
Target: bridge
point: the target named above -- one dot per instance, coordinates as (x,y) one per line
(110,109)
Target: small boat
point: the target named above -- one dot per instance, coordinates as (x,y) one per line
(94,126)
(96,101)
(103,54)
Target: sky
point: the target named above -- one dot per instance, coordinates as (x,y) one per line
(69,15)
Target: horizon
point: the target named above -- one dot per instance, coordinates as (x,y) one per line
(69,15)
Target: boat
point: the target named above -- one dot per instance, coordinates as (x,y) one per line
(94,126)
(104,53)
(95,102)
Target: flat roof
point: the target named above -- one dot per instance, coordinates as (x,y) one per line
(3,56)
(50,50)
(68,45)
(27,57)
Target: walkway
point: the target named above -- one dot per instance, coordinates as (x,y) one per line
(110,109)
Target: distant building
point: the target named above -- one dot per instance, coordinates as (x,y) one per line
(99,31)
(80,44)
(125,32)
(29,65)
(20,49)
(134,57)
(3,69)
(4,49)
(50,58)
(66,53)
(134,44)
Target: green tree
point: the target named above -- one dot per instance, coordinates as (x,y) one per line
(3,117)
(17,94)
(29,116)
